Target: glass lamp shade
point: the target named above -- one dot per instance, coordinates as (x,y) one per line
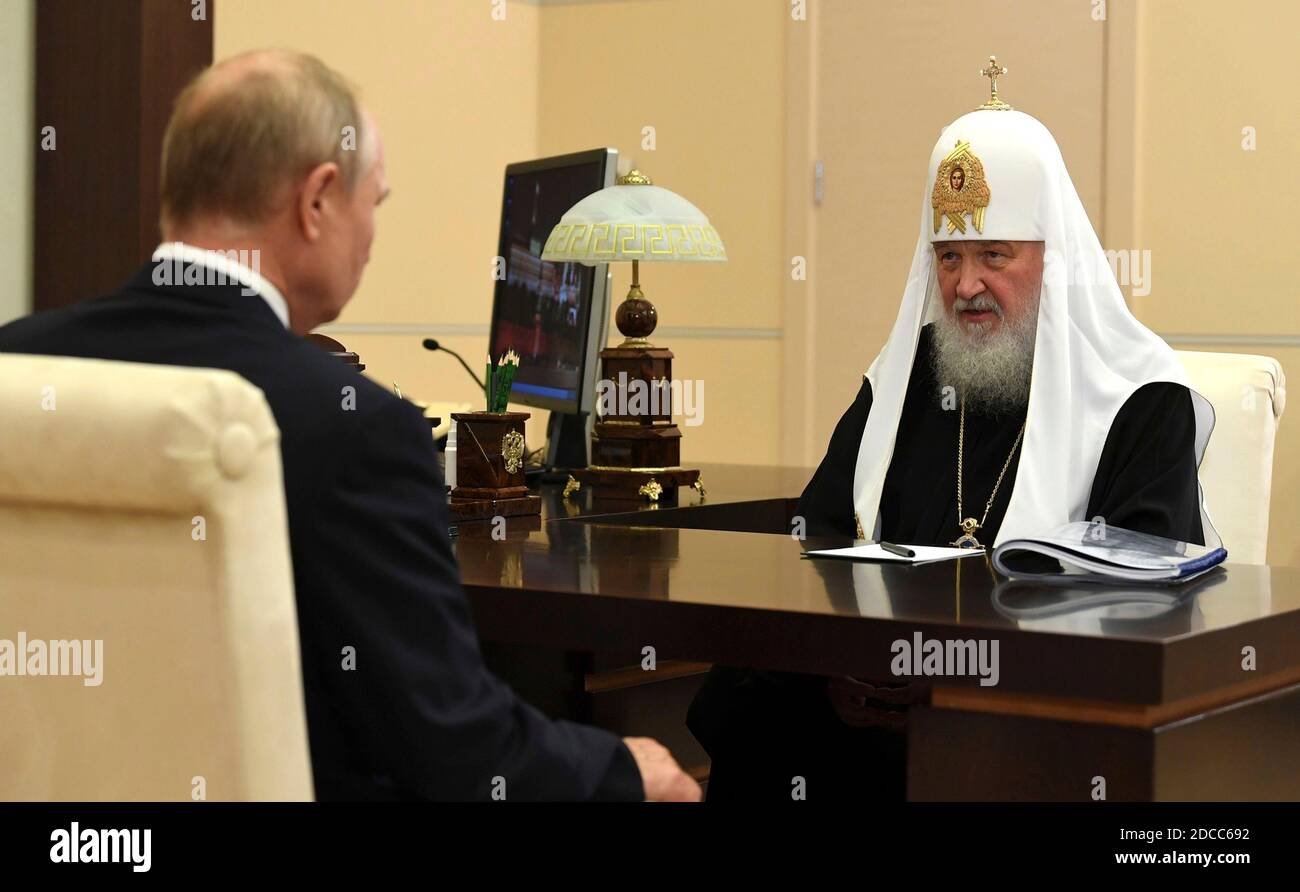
(634,222)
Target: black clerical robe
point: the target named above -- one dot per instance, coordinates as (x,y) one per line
(762,728)
(1145,480)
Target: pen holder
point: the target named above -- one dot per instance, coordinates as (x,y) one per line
(489,455)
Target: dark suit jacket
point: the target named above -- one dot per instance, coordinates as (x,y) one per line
(420,716)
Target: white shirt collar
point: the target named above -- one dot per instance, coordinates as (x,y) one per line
(225,263)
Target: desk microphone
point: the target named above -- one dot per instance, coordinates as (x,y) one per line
(431,344)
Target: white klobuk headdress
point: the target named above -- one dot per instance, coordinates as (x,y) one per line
(997,174)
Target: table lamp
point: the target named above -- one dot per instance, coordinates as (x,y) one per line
(635,446)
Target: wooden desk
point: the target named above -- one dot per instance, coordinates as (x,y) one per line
(1154,700)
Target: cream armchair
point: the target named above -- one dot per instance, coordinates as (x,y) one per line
(1248,394)
(143,551)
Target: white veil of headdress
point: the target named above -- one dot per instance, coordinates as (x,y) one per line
(1090,354)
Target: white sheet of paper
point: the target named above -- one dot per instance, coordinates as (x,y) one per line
(925,554)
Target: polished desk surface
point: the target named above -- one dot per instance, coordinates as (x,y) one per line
(621,577)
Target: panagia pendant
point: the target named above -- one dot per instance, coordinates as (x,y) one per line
(967,538)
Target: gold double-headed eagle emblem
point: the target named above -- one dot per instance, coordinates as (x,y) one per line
(960,189)
(512,451)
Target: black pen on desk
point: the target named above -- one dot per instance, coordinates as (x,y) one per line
(897,549)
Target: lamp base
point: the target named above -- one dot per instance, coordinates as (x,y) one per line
(635,446)
(644,484)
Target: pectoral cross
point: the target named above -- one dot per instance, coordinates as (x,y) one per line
(993,72)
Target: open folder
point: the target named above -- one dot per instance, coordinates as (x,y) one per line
(925,554)
(1095,552)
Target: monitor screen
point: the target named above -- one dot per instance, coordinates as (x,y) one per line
(543,310)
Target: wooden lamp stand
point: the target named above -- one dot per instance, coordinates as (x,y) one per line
(636,447)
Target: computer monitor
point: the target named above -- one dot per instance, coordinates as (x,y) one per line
(553,315)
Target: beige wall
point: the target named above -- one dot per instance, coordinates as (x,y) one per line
(1148,108)
(17,143)
(1219,220)
(692,72)
(459,95)
(455,93)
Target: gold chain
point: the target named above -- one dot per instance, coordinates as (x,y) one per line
(961,443)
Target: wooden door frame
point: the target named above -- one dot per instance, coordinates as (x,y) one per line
(106,76)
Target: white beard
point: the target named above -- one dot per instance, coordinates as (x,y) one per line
(990,370)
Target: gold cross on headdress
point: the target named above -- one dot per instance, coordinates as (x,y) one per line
(993,72)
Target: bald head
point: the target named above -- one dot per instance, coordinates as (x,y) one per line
(246,128)
(271,152)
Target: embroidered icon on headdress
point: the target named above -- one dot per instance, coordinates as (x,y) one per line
(960,189)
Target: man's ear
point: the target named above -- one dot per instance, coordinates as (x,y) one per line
(315,193)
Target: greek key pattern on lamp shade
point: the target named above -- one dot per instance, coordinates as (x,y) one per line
(604,242)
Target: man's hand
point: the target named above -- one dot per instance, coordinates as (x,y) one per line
(850,698)
(662,777)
